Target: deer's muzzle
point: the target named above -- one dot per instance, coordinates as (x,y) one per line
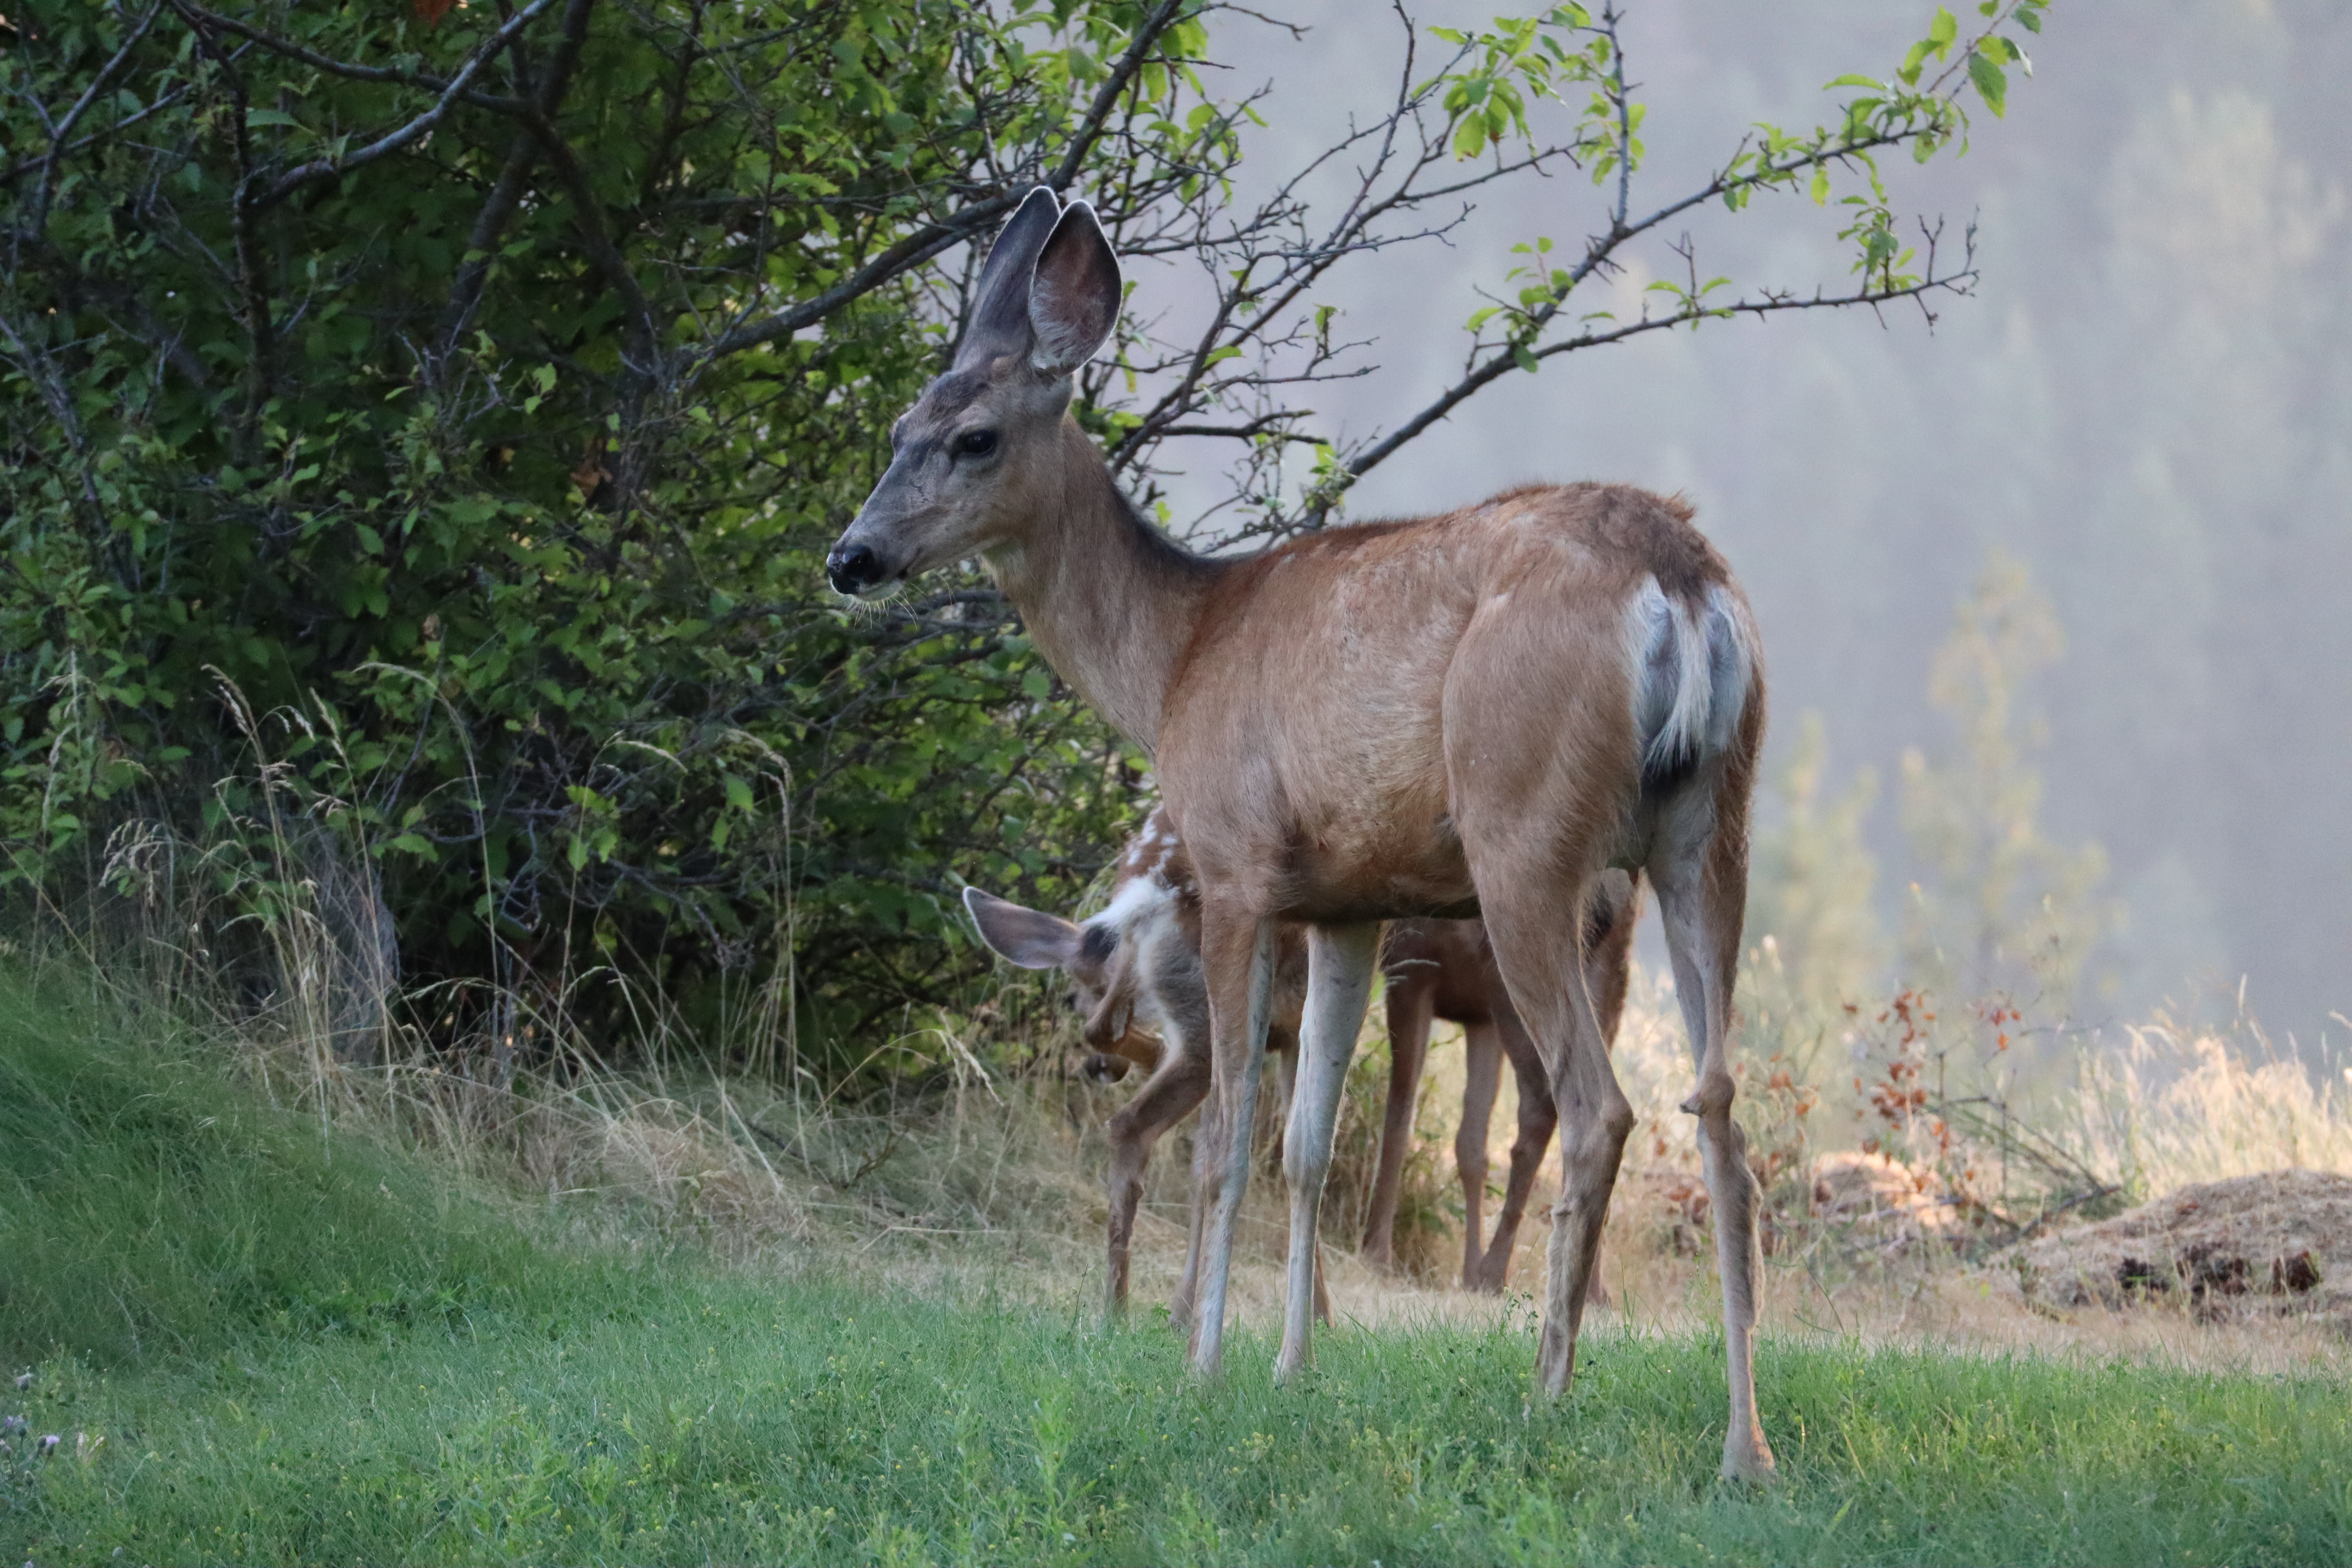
(854,569)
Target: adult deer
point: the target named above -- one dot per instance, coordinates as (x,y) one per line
(1474,712)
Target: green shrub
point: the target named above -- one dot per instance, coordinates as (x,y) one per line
(494,474)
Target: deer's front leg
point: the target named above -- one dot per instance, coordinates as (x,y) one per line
(1181,1083)
(1185,1303)
(1339,965)
(1237,959)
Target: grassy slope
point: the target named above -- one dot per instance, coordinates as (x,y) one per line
(336,1359)
(150,1207)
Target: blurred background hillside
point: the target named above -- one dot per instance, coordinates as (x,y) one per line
(2148,405)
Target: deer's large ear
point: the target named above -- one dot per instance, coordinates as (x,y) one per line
(1029,938)
(999,313)
(1074,293)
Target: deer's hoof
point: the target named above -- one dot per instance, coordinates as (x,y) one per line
(1750,1461)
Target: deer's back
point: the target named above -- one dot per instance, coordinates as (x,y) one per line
(1312,710)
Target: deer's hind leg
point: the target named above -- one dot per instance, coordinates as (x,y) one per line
(1410,1003)
(1533,778)
(1612,905)
(1534,922)
(1482,1057)
(1699,866)
(1538,1117)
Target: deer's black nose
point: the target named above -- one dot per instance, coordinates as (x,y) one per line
(852,567)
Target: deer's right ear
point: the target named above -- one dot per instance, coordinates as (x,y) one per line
(1029,938)
(999,309)
(1074,294)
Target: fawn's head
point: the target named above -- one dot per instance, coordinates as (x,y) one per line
(1121,960)
(981,453)
(1107,988)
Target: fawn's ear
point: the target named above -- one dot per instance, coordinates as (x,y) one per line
(999,311)
(1029,938)
(1073,293)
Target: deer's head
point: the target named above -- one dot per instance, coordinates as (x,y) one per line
(981,452)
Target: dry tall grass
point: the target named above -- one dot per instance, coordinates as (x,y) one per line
(1890,1143)
(2168,1107)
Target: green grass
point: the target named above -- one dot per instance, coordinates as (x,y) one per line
(340,1360)
(150,1207)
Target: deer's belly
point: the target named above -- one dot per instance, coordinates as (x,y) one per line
(1387,865)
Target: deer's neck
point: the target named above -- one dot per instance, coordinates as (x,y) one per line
(1111,602)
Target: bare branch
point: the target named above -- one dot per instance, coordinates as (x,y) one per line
(1504,360)
(391,141)
(64,128)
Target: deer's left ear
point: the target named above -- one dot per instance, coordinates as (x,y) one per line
(1073,294)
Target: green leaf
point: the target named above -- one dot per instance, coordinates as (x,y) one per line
(1820,185)
(1524,357)
(1992,84)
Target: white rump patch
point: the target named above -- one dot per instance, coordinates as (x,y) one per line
(1691,666)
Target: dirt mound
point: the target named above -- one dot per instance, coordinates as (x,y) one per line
(1875,1205)
(2277,1243)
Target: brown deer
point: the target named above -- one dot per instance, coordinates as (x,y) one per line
(1135,967)
(1435,969)
(1472,713)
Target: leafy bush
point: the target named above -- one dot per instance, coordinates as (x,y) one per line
(494,470)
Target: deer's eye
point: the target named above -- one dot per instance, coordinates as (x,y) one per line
(975,444)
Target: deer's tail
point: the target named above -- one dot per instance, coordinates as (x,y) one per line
(1693,669)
